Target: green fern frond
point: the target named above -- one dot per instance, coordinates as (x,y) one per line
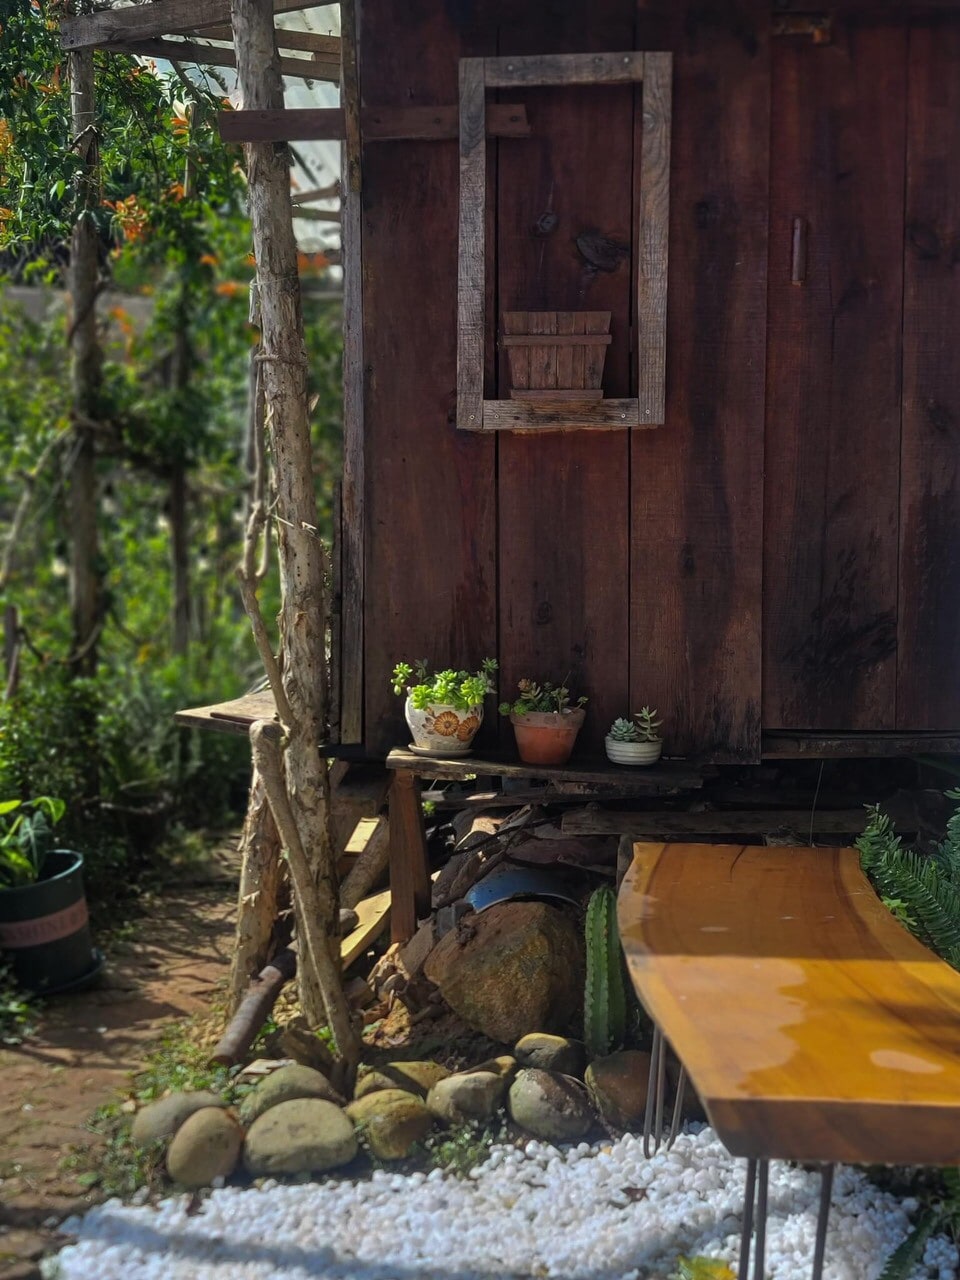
(900,1264)
(878,840)
(927,897)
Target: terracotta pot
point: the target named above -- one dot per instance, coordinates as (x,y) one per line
(547,737)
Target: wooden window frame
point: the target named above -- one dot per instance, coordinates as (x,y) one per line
(655,71)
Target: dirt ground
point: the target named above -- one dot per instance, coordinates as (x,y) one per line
(86,1045)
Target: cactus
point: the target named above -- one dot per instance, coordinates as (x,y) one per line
(624,731)
(605,1000)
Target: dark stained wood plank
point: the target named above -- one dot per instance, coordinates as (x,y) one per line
(565,205)
(430,552)
(928,694)
(409,868)
(471,258)
(696,486)
(625,67)
(159,18)
(792,746)
(653,237)
(833,381)
(349,658)
(305,41)
(804,1042)
(296,124)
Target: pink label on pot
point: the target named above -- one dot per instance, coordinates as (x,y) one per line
(34,933)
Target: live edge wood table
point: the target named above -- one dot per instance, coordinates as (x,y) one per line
(409,867)
(812,1025)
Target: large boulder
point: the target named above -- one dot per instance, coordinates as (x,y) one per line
(618,1087)
(474,1095)
(284,1085)
(204,1148)
(519,966)
(306,1135)
(391,1121)
(159,1121)
(552,1107)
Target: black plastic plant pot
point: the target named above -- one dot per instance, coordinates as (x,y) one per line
(45,928)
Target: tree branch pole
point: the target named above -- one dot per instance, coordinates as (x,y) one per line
(303,613)
(85,362)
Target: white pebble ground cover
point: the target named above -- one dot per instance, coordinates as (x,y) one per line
(598,1212)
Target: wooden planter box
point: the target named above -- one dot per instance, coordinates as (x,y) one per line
(556,355)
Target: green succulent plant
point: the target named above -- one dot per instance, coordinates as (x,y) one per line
(641,728)
(458,689)
(605,994)
(624,730)
(540,697)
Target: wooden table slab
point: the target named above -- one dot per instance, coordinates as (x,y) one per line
(813,1026)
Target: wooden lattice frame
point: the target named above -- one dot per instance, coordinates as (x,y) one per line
(477,75)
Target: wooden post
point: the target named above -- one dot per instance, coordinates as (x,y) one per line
(409,868)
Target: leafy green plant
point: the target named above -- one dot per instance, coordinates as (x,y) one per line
(461,690)
(535,697)
(460,1149)
(642,727)
(26,837)
(701,1268)
(923,890)
(605,996)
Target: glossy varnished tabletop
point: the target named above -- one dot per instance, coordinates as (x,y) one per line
(812,1025)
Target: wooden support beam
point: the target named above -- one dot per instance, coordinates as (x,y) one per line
(159,18)
(219,56)
(667,824)
(409,868)
(377,124)
(302,41)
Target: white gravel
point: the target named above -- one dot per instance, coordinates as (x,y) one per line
(597,1212)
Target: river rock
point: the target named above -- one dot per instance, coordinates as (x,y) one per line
(549,1106)
(205,1147)
(284,1085)
(552,1053)
(158,1121)
(504,1065)
(618,1087)
(520,965)
(392,1121)
(472,1095)
(305,1135)
(413,1077)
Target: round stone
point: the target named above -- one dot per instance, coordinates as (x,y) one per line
(304,1135)
(551,1053)
(618,1087)
(552,1107)
(474,1095)
(284,1085)
(205,1147)
(159,1121)
(391,1121)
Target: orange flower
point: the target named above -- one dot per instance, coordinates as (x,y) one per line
(251,260)
(177,190)
(228,288)
(6,137)
(6,215)
(208,260)
(310,263)
(181,126)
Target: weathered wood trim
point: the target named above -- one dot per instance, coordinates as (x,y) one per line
(409,867)
(378,124)
(552,415)
(303,41)
(777,745)
(159,18)
(667,775)
(219,56)
(653,238)
(470,256)
(352,516)
(668,823)
(564,69)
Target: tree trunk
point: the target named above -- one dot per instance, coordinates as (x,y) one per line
(85,359)
(301,554)
(180,558)
(260,875)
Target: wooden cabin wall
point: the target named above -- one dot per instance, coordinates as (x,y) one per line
(783,552)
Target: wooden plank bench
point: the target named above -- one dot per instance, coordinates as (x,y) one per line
(813,1026)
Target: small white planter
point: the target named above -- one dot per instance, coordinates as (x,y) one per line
(441,730)
(633,752)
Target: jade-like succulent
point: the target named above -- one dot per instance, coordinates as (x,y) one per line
(624,730)
(642,728)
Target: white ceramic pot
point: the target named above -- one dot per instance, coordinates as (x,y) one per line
(442,730)
(633,752)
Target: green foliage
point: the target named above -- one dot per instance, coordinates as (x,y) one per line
(605,998)
(641,728)
(16,1011)
(461,690)
(26,837)
(700,1268)
(926,890)
(463,1147)
(540,697)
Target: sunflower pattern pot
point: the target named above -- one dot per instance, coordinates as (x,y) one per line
(442,729)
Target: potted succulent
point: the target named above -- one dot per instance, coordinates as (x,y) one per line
(635,741)
(444,710)
(545,722)
(44,924)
